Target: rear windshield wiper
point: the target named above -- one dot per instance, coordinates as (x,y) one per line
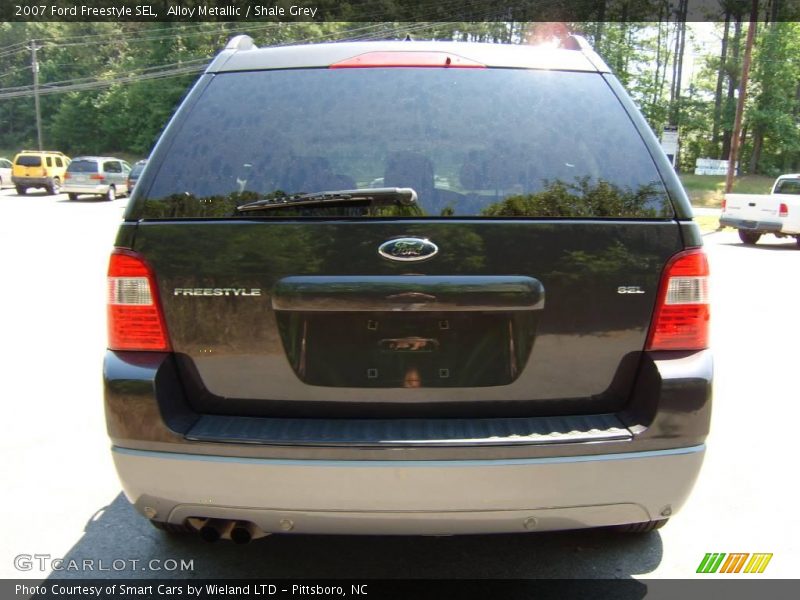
(363,197)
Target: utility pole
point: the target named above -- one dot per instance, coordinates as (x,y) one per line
(35,69)
(737,123)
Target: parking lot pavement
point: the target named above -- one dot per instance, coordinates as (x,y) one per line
(62,497)
(743,496)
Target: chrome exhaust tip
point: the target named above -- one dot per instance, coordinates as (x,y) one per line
(243,532)
(214,529)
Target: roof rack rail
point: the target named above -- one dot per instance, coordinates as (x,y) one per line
(241,42)
(581,43)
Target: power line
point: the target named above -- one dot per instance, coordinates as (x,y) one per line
(104,83)
(16,70)
(198,62)
(12,52)
(13,47)
(142,70)
(194,65)
(141,38)
(177,29)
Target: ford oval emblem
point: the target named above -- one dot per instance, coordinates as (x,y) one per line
(408,249)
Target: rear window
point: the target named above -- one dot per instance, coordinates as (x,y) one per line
(82,166)
(471,142)
(29,161)
(788,186)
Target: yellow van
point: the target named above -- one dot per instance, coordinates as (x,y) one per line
(34,169)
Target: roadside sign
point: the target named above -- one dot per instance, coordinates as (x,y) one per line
(709,166)
(669,143)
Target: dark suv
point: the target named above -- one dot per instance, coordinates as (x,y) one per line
(409,288)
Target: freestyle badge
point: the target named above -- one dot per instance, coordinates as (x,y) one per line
(217,292)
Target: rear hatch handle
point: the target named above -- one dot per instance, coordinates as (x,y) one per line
(421,293)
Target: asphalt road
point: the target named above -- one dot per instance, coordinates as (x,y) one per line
(61,497)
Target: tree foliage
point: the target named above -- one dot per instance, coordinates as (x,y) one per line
(650,58)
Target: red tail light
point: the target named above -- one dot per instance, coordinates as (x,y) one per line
(67,176)
(135,319)
(97,177)
(783,210)
(724,204)
(407,59)
(680,319)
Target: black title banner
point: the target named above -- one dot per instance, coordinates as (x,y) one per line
(385,589)
(394,10)
(367,589)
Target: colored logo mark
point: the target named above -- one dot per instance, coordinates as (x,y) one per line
(719,562)
(408,249)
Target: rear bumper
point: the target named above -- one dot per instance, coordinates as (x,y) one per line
(148,408)
(428,497)
(760,226)
(419,488)
(31,181)
(85,189)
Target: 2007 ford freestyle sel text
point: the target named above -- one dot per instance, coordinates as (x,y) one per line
(407,288)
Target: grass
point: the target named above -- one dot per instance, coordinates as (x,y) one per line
(707,190)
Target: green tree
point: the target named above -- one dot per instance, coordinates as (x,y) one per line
(772,116)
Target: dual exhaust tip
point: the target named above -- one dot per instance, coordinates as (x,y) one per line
(240,532)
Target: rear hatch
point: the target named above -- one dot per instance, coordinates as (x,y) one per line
(522,282)
(752,207)
(29,165)
(82,172)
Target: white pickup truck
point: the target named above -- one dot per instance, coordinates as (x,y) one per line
(756,214)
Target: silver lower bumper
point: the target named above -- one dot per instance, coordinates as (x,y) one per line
(85,189)
(761,226)
(411,497)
